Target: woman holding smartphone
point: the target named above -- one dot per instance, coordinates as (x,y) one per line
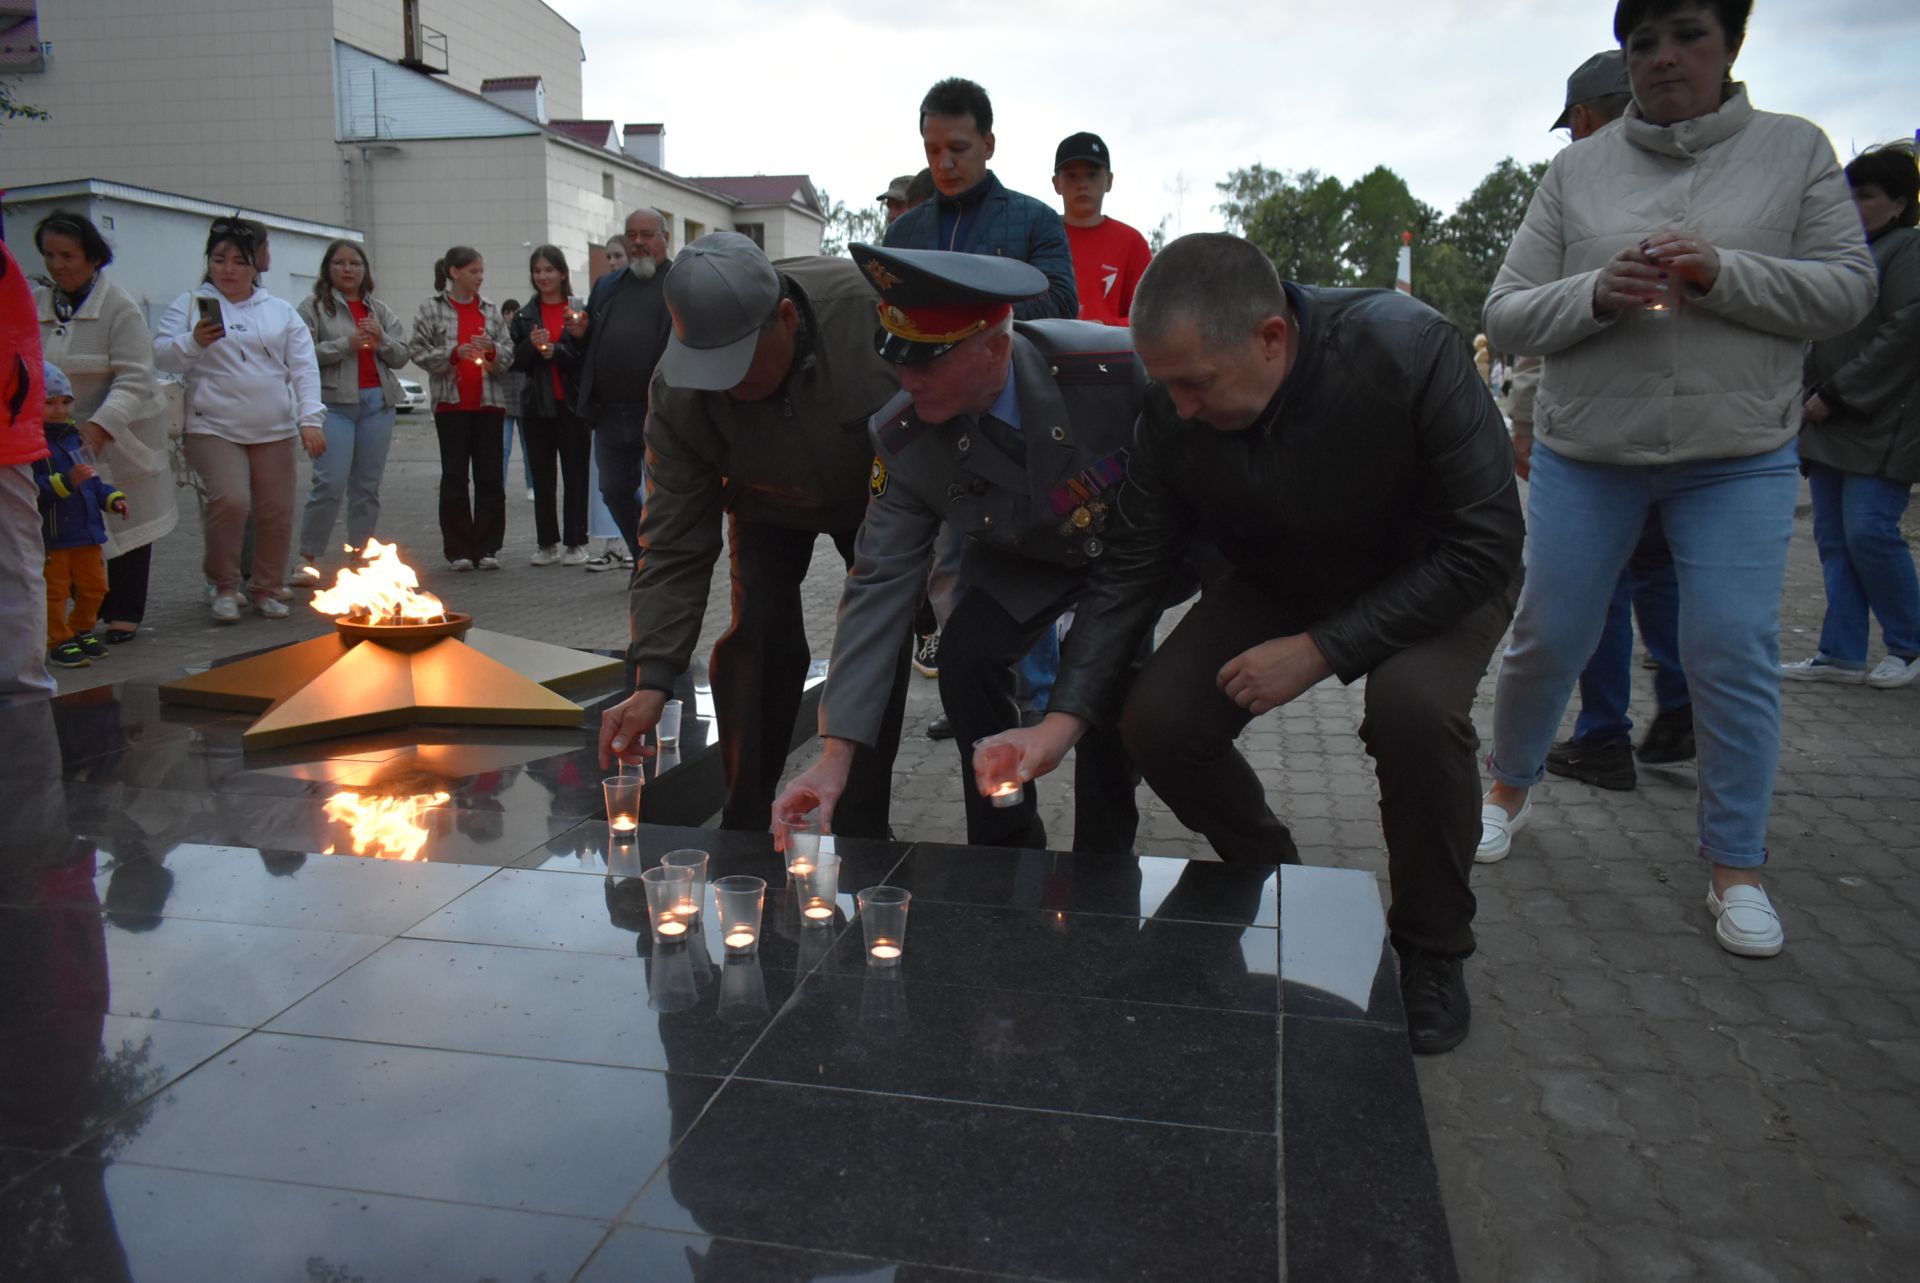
(248,362)
(547,415)
(459,340)
(358,344)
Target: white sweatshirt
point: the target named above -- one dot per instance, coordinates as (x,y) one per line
(255,384)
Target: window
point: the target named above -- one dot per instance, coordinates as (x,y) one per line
(606,184)
(755,232)
(694,232)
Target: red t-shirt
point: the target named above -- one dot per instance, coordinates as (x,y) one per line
(553,319)
(369,372)
(1107,262)
(469,376)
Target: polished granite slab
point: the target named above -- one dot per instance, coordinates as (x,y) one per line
(225,1053)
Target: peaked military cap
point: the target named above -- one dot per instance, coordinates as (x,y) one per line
(931,300)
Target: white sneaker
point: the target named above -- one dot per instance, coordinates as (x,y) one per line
(545,555)
(1821,669)
(488,563)
(226,608)
(461,563)
(1746,922)
(1497,829)
(529,494)
(575,555)
(306,575)
(1893,672)
(270,608)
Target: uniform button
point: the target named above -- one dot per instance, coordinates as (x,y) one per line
(1054,370)
(987,520)
(1095,547)
(965,444)
(1059,434)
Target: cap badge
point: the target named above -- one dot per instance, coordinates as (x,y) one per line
(881,277)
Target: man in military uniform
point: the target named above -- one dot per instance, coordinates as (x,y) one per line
(1016,435)
(759,412)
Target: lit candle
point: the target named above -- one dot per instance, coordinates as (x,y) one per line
(671,927)
(800,869)
(687,909)
(1007,788)
(885,952)
(739,938)
(625,823)
(818,910)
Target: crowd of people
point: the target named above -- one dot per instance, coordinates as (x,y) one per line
(1016,423)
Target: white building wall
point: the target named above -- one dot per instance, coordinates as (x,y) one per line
(228,100)
(485,38)
(788,233)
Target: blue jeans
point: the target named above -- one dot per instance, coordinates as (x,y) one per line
(620,448)
(1033,675)
(1728,522)
(515,426)
(1649,588)
(356,456)
(1856,525)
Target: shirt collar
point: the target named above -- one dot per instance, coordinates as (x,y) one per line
(1006,406)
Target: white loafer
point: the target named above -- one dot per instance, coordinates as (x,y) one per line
(1497,829)
(1746,923)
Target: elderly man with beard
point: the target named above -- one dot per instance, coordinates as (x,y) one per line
(616,348)
(758,422)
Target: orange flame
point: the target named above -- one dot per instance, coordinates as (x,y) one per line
(382,591)
(386,828)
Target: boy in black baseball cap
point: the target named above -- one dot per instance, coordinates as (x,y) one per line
(1108,255)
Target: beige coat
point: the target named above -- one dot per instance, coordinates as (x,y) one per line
(1721,377)
(339,360)
(106,351)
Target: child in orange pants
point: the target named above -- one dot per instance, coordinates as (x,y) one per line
(72,497)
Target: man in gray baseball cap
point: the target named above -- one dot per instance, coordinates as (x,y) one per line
(757,419)
(1597,89)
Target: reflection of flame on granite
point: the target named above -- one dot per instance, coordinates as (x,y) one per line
(385,828)
(396,657)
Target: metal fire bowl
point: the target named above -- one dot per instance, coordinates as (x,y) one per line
(403,636)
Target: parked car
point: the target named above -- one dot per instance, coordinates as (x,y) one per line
(412,397)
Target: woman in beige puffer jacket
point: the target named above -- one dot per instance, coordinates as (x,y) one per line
(1671,269)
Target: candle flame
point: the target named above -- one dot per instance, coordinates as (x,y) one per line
(384,590)
(385,828)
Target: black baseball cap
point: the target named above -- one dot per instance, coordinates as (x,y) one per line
(1082,146)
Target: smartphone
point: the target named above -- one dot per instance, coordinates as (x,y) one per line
(209,310)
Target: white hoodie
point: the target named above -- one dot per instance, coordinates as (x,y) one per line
(244,387)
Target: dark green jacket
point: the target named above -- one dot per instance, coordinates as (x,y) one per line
(1870,377)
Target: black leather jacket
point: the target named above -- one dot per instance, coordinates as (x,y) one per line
(1375,497)
(537,400)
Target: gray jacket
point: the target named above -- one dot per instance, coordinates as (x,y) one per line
(1030,527)
(1871,376)
(339,360)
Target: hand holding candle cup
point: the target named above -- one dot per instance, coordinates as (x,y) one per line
(668,888)
(797,832)
(996,772)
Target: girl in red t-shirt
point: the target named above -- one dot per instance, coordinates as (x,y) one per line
(545,344)
(459,339)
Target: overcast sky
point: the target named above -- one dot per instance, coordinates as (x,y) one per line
(1185,92)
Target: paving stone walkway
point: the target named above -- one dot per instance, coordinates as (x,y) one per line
(1633,1104)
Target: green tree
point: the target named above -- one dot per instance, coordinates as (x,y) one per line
(863,226)
(1298,220)
(1380,210)
(12,108)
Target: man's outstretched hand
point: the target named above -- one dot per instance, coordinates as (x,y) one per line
(1041,747)
(622,726)
(1273,673)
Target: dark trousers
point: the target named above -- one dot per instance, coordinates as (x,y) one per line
(564,439)
(473,525)
(127,586)
(620,445)
(1418,729)
(978,648)
(759,668)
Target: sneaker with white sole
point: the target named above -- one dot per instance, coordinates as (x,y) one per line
(545,555)
(1745,922)
(270,608)
(460,564)
(488,563)
(226,608)
(1821,669)
(307,575)
(610,558)
(1893,672)
(575,555)
(1497,829)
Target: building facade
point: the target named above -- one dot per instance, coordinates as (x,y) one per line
(420,124)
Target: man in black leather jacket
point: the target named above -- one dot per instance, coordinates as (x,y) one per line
(1341,450)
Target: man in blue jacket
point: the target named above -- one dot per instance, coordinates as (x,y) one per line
(972,212)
